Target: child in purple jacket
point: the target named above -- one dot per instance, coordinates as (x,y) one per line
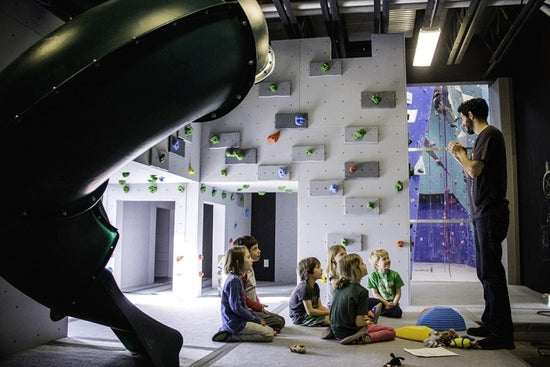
(238,323)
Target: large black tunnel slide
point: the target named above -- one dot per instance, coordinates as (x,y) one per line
(82,102)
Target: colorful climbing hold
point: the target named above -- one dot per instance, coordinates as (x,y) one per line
(398,186)
(359,134)
(215,139)
(273,138)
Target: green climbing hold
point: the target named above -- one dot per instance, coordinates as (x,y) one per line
(126,189)
(122,182)
(370,205)
(325,67)
(359,134)
(203,189)
(181,188)
(344,241)
(376,98)
(162,157)
(273,87)
(188,130)
(125,174)
(215,139)
(399,186)
(152,189)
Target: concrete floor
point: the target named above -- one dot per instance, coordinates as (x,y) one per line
(96,345)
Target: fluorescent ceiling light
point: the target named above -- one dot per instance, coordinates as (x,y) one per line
(425,47)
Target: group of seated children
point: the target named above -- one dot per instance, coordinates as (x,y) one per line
(350,316)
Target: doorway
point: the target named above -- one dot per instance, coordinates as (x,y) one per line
(146,244)
(213,234)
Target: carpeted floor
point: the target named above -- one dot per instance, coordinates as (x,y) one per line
(95,345)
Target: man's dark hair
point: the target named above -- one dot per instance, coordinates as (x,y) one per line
(477,106)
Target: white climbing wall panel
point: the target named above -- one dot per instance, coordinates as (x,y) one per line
(332,104)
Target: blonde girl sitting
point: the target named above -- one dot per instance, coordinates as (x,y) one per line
(335,253)
(350,304)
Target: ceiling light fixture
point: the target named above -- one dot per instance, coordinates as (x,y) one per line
(425,46)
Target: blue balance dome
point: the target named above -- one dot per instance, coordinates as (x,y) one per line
(442,318)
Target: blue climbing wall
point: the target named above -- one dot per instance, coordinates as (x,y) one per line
(440,225)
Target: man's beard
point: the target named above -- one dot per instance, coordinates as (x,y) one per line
(469,125)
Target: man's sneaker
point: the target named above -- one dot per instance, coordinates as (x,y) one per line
(327,333)
(478,331)
(376,310)
(222,336)
(360,337)
(494,342)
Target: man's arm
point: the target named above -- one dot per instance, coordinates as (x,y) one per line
(472,168)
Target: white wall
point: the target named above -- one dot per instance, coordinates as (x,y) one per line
(332,103)
(22,23)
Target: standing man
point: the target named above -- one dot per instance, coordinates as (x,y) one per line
(486,175)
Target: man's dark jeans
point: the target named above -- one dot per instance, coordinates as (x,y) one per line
(489,232)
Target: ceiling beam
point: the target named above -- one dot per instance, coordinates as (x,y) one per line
(526,12)
(288,18)
(464,27)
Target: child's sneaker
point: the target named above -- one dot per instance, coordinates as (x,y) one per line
(374,313)
(327,333)
(222,336)
(360,337)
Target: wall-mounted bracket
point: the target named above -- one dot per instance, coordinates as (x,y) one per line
(291,121)
(225,140)
(361,170)
(362,206)
(274,89)
(159,158)
(361,135)
(326,188)
(186,133)
(372,99)
(353,242)
(240,156)
(308,153)
(176,146)
(325,68)
(274,172)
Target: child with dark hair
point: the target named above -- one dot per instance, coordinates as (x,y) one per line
(305,306)
(277,322)
(238,323)
(350,305)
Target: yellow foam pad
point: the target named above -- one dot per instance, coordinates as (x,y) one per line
(418,333)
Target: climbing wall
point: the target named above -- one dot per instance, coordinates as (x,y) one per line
(341,137)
